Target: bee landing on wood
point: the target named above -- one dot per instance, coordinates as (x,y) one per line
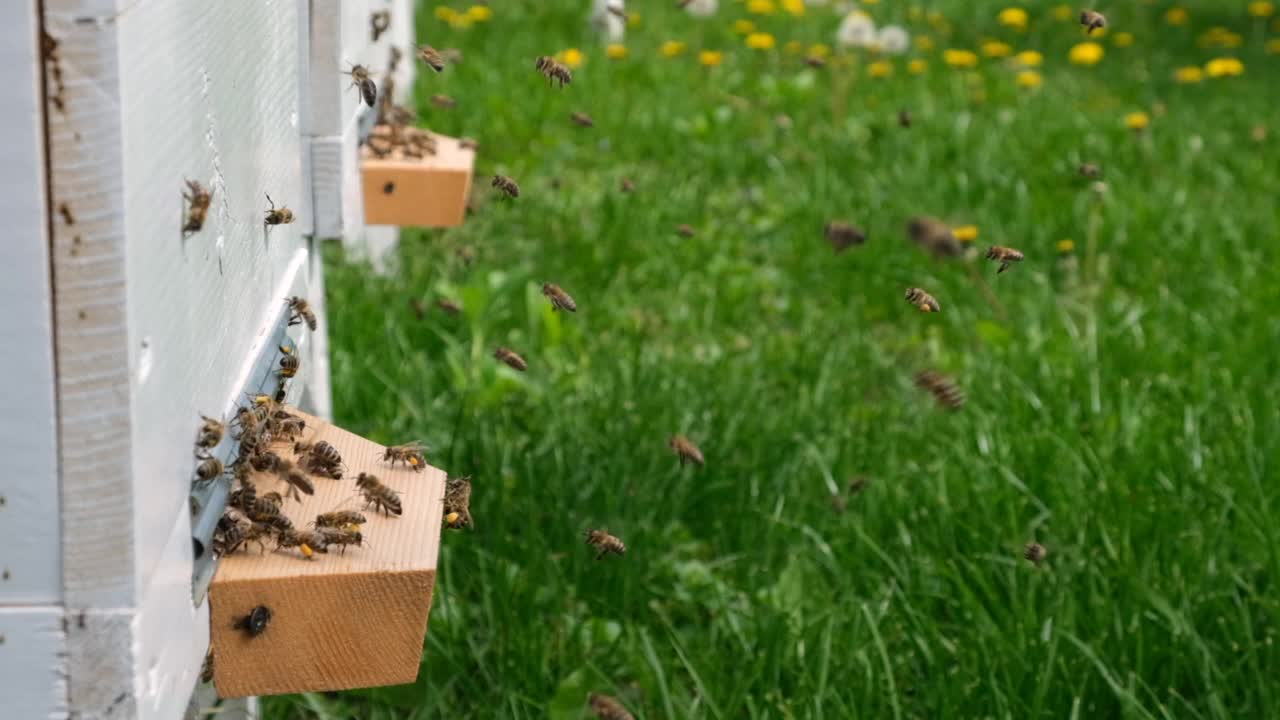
(1005,256)
(922,300)
(509,356)
(410,454)
(301,312)
(278,215)
(457,502)
(297,481)
(198,201)
(381,497)
(560,300)
(361,79)
(506,185)
(341,536)
(211,432)
(308,542)
(431,57)
(607,708)
(843,235)
(943,390)
(553,70)
(686,450)
(320,458)
(340,518)
(604,543)
(1092,20)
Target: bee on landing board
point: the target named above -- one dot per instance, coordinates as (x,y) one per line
(560,300)
(684,449)
(198,200)
(278,215)
(607,708)
(843,235)
(604,543)
(410,454)
(457,502)
(377,495)
(922,300)
(340,518)
(211,432)
(320,458)
(255,623)
(943,390)
(431,57)
(1006,256)
(301,312)
(506,185)
(308,542)
(553,70)
(361,79)
(509,356)
(1092,20)
(341,536)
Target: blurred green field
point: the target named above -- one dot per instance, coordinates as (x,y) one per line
(1122,402)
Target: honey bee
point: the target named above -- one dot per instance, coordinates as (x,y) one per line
(255,623)
(289,365)
(933,235)
(198,200)
(685,231)
(604,543)
(1090,170)
(243,497)
(686,450)
(381,497)
(278,216)
(512,359)
(297,481)
(457,502)
(923,300)
(560,300)
(554,71)
(267,461)
(506,185)
(607,708)
(1035,552)
(627,186)
(1006,256)
(843,235)
(308,542)
(340,518)
(904,118)
(582,119)
(815,61)
(206,670)
(443,101)
(431,57)
(228,536)
(452,55)
(361,79)
(857,484)
(393,61)
(449,306)
(318,454)
(211,432)
(379,22)
(301,312)
(410,454)
(943,390)
(1092,20)
(209,469)
(341,536)
(617,11)
(467,143)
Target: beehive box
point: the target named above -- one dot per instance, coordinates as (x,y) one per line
(430,191)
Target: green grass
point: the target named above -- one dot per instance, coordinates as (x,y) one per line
(1122,399)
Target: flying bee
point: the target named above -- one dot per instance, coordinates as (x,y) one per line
(209,469)
(943,390)
(431,57)
(381,497)
(206,670)
(410,454)
(857,484)
(922,300)
(1092,20)
(554,71)
(449,306)
(684,449)
(301,312)
(904,118)
(843,235)
(443,101)
(340,518)
(1006,256)
(255,623)
(198,200)
(298,482)
(933,235)
(512,359)
(457,502)
(506,185)
(1090,170)
(560,300)
(379,22)
(1035,552)
(617,11)
(278,215)
(361,79)
(289,365)
(607,708)
(685,231)
(582,119)
(604,543)
(308,542)
(211,432)
(815,61)
(627,186)
(341,536)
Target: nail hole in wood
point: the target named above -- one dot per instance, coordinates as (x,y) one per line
(389,188)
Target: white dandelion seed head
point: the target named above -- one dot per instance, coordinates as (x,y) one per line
(857,30)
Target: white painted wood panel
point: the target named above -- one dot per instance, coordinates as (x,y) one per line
(30,545)
(32,659)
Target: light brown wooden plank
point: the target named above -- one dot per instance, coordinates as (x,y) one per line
(427,192)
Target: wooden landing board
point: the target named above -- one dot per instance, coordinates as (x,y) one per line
(339,621)
(427,192)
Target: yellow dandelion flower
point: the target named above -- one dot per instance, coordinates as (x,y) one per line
(633,19)
(965,233)
(1137,121)
(819,50)
(924,43)
(793,47)
(761,7)
(917,66)
(572,58)
(870,2)
(1223,67)
(1189,74)
(996,49)
(616,51)
(445,13)
(460,21)
(880,69)
(1086,53)
(1029,79)
(1273,46)
(1029,58)
(744,27)
(671,48)
(960,58)
(1096,32)
(1066,246)
(1122,39)
(1176,16)
(1262,8)
(761,41)
(480,13)
(794,7)
(1013,17)
(710,58)
(1063,12)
